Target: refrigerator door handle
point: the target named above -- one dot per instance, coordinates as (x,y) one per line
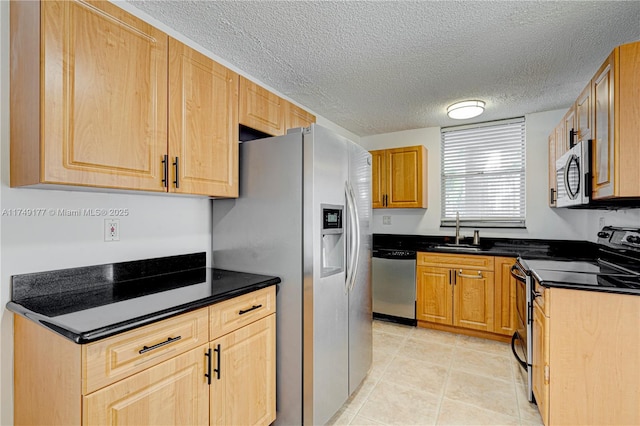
(354,237)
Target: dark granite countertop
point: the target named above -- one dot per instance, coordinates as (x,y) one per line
(90,303)
(530,248)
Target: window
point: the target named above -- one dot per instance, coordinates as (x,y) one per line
(483,174)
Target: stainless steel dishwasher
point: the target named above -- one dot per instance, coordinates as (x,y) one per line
(394,285)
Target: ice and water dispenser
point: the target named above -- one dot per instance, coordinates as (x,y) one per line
(333,242)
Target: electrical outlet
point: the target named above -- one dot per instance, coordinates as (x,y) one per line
(601,223)
(112,229)
(386,220)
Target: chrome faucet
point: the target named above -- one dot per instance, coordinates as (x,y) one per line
(457,228)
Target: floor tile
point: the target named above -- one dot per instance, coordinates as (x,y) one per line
(529,413)
(361,394)
(484,392)
(360,420)
(418,374)
(387,342)
(434,336)
(458,413)
(343,417)
(394,404)
(483,363)
(392,328)
(425,350)
(486,345)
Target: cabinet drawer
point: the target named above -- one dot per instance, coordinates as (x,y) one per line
(117,357)
(242,310)
(484,263)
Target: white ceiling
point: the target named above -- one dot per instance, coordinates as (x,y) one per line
(382,66)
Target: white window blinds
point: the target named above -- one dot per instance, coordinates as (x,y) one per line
(483,173)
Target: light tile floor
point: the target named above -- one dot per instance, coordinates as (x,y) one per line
(428,377)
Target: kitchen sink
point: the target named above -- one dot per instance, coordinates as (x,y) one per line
(461,247)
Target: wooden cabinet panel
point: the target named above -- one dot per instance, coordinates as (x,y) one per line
(400,177)
(553,183)
(97,61)
(261,109)
(603,163)
(616,129)
(434,301)
(227,316)
(297,117)
(203,116)
(119,356)
(583,120)
(473,299)
(379,178)
(406,183)
(243,387)
(484,263)
(569,127)
(151,396)
(505,314)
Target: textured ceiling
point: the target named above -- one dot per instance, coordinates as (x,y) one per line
(382,66)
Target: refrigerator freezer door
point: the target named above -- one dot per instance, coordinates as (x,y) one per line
(360,312)
(261,232)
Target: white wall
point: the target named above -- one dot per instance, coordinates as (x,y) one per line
(156,225)
(541,221)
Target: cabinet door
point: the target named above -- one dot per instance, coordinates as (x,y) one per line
(174,392)
(583,114)
(297,117)
(540,362)
(434,299)
(261,109)
(505,297)
(203,119)
(406,177)
(473,294)
(243,389)
(603,162)
(378,179)
(569,127)
(553,183)
(105,97)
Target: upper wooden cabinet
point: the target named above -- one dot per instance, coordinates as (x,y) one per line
(203,129)
(88,96)
(297,117)
(261,109)
(110,85)
(267,112)
(399,177)
(553,183)
(583,118)
(616,127)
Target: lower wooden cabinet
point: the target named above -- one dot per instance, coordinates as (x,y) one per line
(143,377)
(461,295)
(540,361)
(585,357)
(174,392)
(466,293)
(245,377)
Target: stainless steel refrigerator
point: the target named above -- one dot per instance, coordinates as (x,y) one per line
(304,214)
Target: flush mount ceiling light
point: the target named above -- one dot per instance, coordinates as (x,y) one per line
(465,109)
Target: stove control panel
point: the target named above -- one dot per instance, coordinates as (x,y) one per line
(631,238)
(620,238)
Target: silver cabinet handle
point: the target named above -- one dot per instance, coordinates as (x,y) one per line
(473,277)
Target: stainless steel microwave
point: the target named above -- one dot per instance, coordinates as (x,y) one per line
(573,175)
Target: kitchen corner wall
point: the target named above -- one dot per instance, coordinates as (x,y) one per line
(541,220)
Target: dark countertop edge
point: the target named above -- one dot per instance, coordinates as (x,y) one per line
(104,332)
(569,286)
(489,246)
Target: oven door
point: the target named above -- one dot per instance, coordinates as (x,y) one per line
(521,342)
